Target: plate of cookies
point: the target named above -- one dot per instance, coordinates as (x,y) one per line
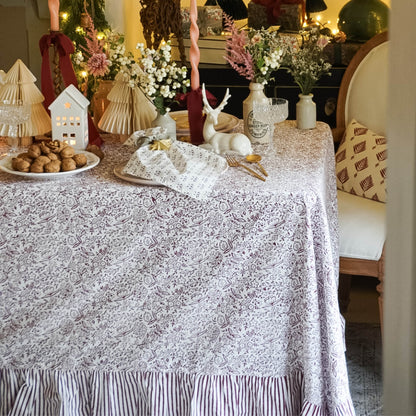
(49,160)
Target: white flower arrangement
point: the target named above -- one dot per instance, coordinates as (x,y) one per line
(158,76)
(305,61)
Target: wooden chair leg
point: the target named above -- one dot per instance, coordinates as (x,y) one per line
(344,288)
(380,290)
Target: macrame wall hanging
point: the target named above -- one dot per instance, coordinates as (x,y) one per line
(161,18)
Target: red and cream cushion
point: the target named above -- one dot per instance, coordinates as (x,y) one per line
(361,163)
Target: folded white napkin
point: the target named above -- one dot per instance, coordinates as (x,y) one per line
(142,137)
(184,167)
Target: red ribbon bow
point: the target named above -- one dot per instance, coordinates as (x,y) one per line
(193,101)
(65,48)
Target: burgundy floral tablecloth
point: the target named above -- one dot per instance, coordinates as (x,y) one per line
(123,299)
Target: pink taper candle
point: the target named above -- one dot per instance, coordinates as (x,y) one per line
(54,13)
(194,53)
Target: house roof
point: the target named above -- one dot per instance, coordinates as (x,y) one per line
(71,92)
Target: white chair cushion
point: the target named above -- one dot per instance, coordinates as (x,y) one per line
(362,227)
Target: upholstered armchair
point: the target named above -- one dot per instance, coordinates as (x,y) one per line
(361,163)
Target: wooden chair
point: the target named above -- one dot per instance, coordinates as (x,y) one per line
(363,97)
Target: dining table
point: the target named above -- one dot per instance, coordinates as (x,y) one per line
(119,297)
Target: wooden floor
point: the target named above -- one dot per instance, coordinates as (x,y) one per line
(363,306)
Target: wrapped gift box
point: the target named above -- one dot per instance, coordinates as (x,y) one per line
(186,21)
(209,20)
(290,18)
(257,16)
(211,48)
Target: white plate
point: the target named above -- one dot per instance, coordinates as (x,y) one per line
(92,160)
(118,171)
(226,122)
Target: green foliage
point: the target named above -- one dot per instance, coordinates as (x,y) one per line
(75,8)
(71,27)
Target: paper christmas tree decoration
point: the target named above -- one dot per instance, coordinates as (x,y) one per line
(69,114)
(129,110)
(19,84)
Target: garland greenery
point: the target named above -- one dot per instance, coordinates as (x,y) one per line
(71,12)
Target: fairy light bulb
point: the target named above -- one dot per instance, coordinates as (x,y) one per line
(78,29)
(84,74)
(100,36)
(64,16)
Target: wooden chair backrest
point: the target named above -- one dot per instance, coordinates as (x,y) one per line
(363,89)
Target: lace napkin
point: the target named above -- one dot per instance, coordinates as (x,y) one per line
(182,166)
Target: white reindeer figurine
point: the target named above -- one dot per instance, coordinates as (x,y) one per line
(221,142)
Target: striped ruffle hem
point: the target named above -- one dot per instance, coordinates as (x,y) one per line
(90,393)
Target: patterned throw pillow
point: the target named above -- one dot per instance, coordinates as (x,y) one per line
(361,162)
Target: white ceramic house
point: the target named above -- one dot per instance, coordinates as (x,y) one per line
(69,116)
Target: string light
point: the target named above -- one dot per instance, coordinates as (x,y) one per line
(64,16)
(100,35)
(79,29)
(84,74)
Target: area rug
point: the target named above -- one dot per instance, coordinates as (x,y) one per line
(365,368)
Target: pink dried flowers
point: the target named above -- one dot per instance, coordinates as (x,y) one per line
(98,63)
(254,54)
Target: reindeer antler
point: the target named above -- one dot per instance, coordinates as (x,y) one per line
(224,100)
(204,98)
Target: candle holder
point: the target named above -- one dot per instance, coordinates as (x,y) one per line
(12,114)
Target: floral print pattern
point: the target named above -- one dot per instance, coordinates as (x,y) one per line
(98,274)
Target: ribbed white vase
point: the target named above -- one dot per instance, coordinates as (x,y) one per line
(167,122)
